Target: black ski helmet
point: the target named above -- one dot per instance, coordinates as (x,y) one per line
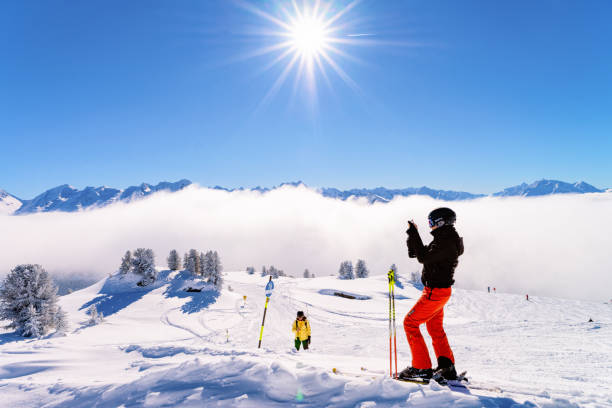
(441,216)
(300,314)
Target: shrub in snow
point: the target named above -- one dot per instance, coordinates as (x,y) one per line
(415,277)
(143,264)
(346,270)
(28,299)
(306,273)
(361,270)
(94,316)
(174,260)
(250,270)
(126,263)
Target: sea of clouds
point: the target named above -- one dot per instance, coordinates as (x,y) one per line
(551,246)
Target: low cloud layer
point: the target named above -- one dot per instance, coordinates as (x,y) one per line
(553,245)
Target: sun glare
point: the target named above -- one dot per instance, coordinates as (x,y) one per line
(309,36)
(305,40)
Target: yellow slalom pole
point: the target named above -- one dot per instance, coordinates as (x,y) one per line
(392,284)
(262,322)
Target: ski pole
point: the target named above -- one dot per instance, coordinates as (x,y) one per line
(390,332)
(269,288)
(394,327)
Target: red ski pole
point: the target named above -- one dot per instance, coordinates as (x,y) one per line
(390,331)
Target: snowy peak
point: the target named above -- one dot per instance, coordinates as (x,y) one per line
(546,187)
(9,204)
(381,194)
(69,199)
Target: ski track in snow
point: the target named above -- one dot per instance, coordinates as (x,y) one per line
(153,353)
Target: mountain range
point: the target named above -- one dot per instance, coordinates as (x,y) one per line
(69,199)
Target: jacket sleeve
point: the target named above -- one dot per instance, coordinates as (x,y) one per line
(293,327)
(308,329)
(436,252)
(414,242)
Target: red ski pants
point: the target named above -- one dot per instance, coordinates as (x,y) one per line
(429,309)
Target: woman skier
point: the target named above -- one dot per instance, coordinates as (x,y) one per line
(439,259)
(301,329)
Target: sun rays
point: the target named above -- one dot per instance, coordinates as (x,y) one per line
(305,44)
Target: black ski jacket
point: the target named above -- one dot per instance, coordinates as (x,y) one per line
(439,258)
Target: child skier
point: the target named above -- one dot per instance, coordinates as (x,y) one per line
(301,329)
(439,259)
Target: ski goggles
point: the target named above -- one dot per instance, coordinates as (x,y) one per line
(432,223)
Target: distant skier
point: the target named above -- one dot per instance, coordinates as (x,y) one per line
(489,289)
(439,259)
(301,329)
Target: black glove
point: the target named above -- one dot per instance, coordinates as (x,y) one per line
(411,228)
(309,340)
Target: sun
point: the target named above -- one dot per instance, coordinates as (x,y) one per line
(309,36)
(305,39)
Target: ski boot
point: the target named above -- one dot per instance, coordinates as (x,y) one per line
(411,373)
(445,370)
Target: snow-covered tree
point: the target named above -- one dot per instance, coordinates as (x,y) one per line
(346,270)
(143,264)
(174,260)
(214,269)
(361,270)
(208,264)
(250,270)
(264,271)
(192,262)
(126,263)
(94,316)
(202,271)
(306,273)
(28,300)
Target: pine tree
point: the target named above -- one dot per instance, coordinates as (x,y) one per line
(61,321)
(174,260)
(126,263)
(208,265)
(215,276)
(272,271)
(192,262)
(250,270)
(264,272)
(202,265)
(361,270)
(143,264)
(28,300)
(306,273)
(346,270)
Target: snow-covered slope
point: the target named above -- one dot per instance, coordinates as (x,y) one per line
(67,198)
(8,203)
(162,346)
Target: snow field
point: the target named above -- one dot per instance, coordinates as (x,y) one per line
(161,346)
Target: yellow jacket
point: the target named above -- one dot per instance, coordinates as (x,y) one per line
(301,328)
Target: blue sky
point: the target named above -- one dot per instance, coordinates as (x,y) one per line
(473,96)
